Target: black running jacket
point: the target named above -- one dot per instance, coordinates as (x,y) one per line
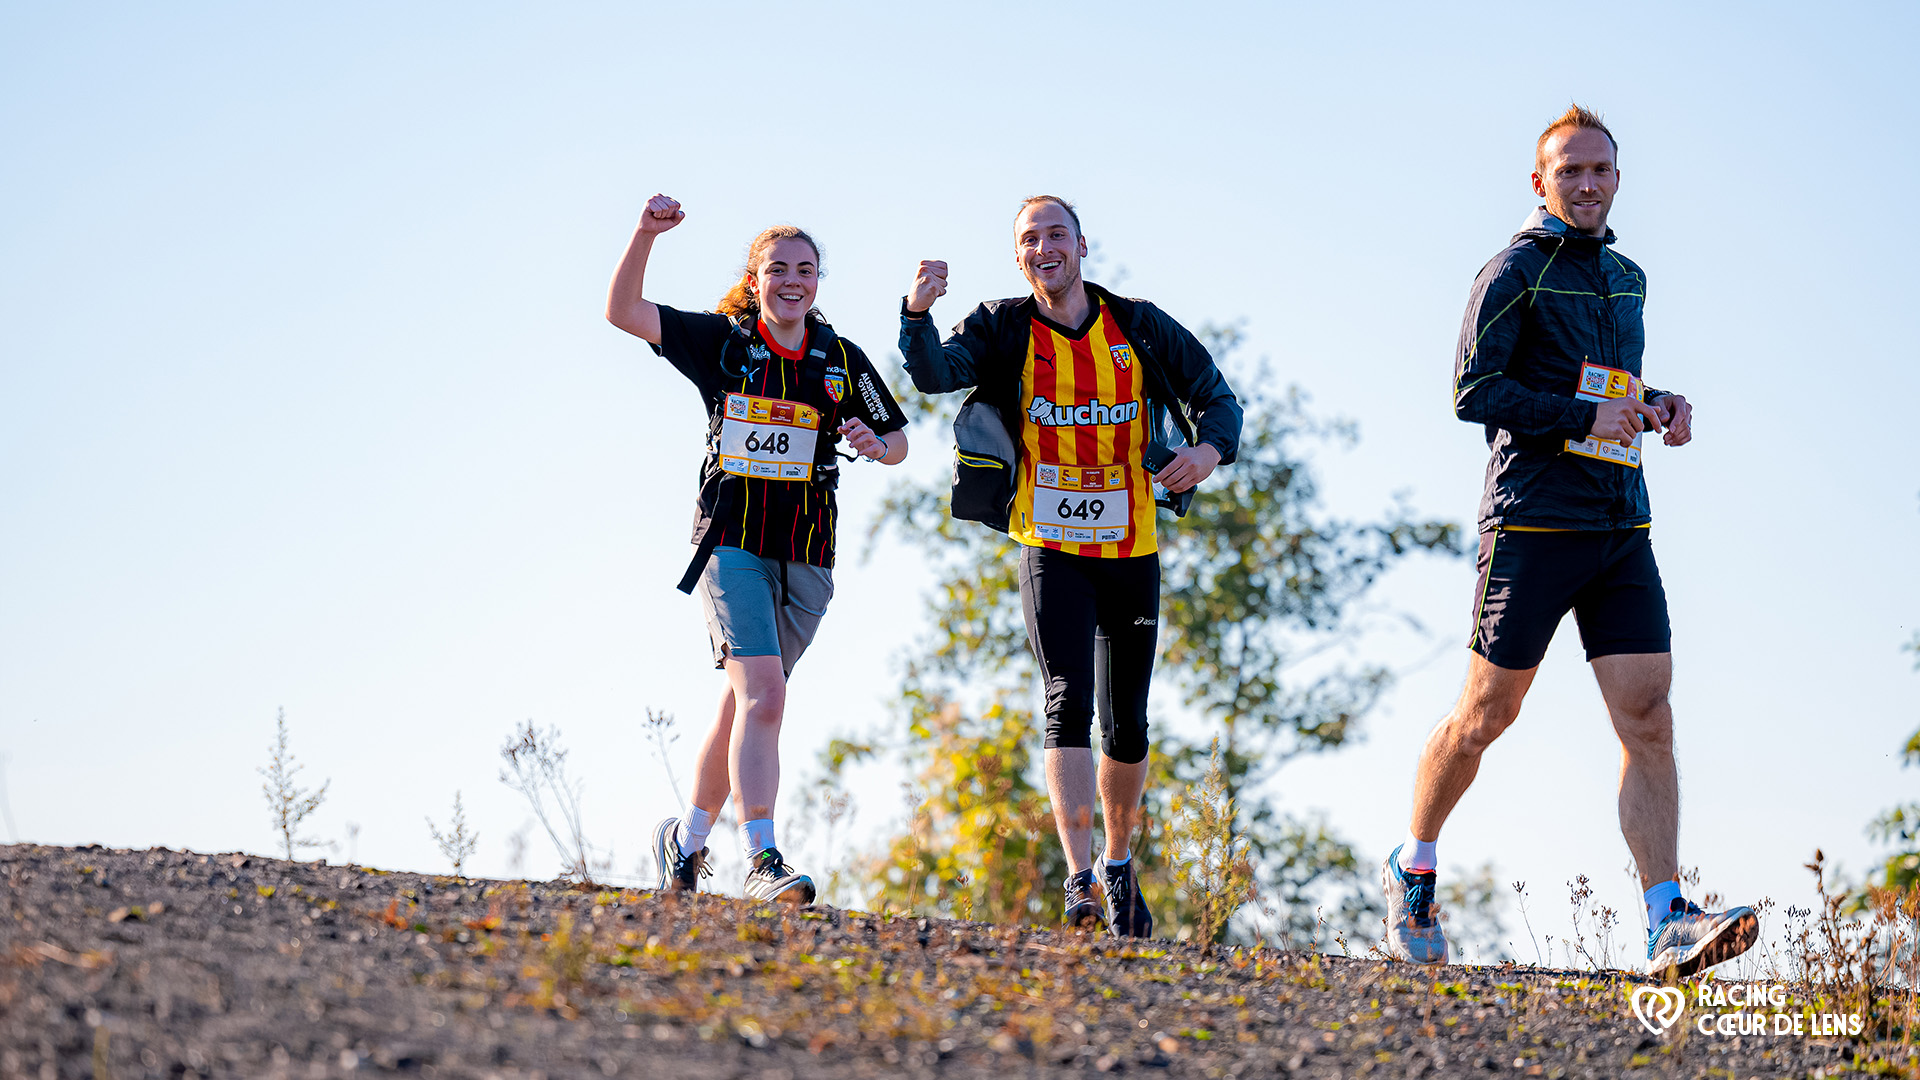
(989,348)
(1554,300)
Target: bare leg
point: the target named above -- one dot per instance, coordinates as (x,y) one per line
(759,689)
(1070,788)
(1635,688)
(1489,703)
(1120,788)
(711,781)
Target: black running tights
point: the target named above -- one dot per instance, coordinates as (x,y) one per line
(1093,624)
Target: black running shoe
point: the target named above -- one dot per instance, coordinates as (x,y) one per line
(1127,913)
(1082,910)
(772,879)
(677,871)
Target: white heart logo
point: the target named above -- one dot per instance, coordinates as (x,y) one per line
(1658,1007)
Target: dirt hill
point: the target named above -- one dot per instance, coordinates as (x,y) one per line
(166,964)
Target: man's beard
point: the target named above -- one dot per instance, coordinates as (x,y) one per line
(1066,287)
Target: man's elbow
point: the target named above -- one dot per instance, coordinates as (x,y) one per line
(924,380)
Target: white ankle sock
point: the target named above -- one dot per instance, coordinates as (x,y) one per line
(1660,900)
(693,830)
(1418,855)
(1115,863)
(757,835)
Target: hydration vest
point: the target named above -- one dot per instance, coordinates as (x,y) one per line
(720,490)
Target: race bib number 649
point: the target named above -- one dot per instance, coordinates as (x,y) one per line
(1084,505)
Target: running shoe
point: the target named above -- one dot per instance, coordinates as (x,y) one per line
(1690,940)
(677,871)
(1127,913)
(1081,909)
(1413,917)
(772,879)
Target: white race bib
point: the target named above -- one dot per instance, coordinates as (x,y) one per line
(1601,383)
(768,438)
(1090,505)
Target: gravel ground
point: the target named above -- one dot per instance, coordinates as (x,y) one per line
(167,964)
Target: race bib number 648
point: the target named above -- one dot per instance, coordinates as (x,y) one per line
(769,438)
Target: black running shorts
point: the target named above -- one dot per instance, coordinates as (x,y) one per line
(1529,580)
(1093,624)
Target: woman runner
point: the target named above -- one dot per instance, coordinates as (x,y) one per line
(781,390)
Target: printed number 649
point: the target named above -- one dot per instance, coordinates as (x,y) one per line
(1084,510)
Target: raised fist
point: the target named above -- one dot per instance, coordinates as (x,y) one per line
(929,284)
(661,214)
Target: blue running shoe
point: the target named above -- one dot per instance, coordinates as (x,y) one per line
(677,871)
(1689,940)
(1413,916)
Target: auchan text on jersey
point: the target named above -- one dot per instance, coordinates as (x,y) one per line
(1042,411)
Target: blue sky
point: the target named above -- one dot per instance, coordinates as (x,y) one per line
(306,401)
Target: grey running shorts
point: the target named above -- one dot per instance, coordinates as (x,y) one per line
(741,593)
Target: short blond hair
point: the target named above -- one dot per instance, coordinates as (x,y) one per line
(1576,116)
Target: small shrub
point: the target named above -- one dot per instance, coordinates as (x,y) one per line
(1213,865)
(289,803)
(457,843)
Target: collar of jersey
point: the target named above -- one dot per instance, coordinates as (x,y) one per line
(1095,302)
(760,328)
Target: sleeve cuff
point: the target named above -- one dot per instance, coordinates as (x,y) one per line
(908,315)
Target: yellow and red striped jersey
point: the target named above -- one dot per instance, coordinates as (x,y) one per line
(1081,488)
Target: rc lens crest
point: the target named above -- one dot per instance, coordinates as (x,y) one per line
(1122,356)
(836,383)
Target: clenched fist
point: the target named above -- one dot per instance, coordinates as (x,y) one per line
(661,214)
(929,284)
(1622,419)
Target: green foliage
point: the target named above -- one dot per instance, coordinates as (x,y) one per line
(1470,904)
(1211,859)
(1900,825)
(979,843)
(1258,587)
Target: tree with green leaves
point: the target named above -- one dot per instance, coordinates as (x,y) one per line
(1259,585)
(1900,825)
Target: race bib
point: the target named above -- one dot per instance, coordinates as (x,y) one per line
(768,438)
(1601,383)
(1089,505)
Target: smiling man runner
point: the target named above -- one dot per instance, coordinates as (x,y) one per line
(1085,382)
(1549,361)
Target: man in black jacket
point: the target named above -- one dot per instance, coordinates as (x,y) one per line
(1549,361)
(1086,383)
